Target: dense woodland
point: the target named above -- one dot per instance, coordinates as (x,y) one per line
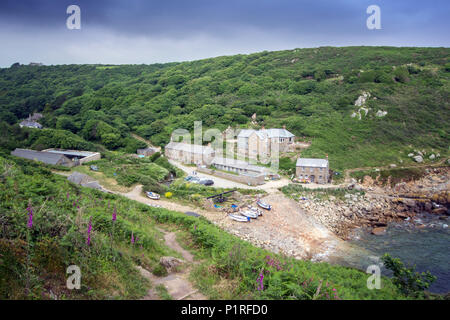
(311,91)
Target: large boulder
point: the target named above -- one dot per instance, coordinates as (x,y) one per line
(418,159)
(170,263)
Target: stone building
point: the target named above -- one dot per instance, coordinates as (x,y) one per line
(314,170)
(31,121)
(146,151)
(189,153)
(254,144)
(238,166)
(76,156)
(45,157)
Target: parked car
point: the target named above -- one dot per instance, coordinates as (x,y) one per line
(192,179)
(206,182)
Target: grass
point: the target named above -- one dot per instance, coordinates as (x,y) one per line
(393,176)
(229,266)
(296,191)
(161,290)
(103,180)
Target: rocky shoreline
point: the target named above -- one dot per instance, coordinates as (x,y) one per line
(375,206)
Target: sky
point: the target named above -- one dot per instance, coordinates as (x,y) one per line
(148,31)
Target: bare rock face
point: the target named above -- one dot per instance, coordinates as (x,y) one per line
(170,263)
(418,159)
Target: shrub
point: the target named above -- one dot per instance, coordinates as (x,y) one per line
(406,279)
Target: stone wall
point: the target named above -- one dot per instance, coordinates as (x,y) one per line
(92,157)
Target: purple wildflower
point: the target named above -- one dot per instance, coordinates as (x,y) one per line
(132,238)
(260,281)
(88,242)
(114,215)
(67,196)
(30,217)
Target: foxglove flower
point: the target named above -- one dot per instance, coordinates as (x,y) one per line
(88,242)
(30,217)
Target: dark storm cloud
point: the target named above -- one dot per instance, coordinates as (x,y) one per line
(215,27)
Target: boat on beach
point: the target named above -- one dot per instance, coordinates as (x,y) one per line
(256,210)
(250,214)
(239,218)
(263,205)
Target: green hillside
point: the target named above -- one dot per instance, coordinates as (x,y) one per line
(34,256)
(311,91)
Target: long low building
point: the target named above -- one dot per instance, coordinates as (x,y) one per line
(76,155)
(314,170)
(189,153)
(45,157)
(67,158)
(238,166)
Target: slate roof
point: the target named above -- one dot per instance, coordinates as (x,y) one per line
(245,133)
(187,147)
(46,157)
(264,133)
(84,180)
(278,133)
(237,164)
(30,124)
(310,162)
(75,153)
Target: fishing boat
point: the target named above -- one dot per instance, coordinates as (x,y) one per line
(153,195)
(263,205)
(256,210)
(250,214)
(239,218)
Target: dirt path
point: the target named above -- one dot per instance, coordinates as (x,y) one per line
(158,149)
(177,283)
(136,194)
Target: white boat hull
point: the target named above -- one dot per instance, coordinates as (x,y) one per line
(238,218)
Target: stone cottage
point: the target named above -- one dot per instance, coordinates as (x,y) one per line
(314,170)
(189,153)
(259,143)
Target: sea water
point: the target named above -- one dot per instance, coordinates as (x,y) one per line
(423,241)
